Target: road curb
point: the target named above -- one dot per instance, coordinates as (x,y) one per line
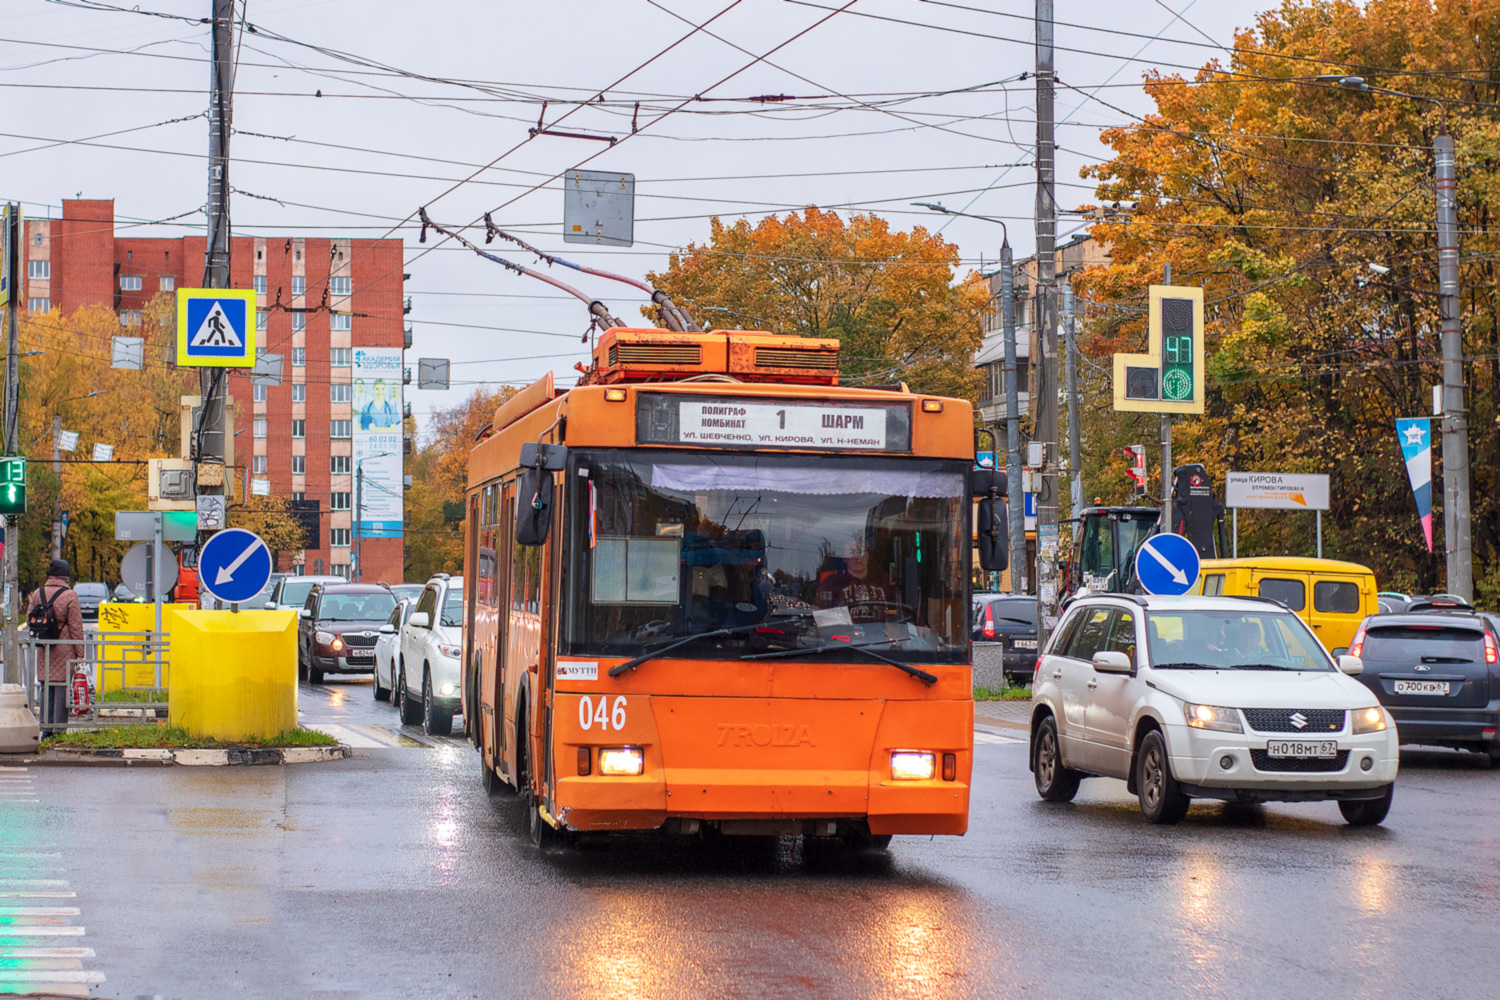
(89,757)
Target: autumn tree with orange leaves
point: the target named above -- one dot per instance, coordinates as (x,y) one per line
(890,297)
(1276,193)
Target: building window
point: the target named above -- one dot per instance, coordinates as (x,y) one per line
(39,270)
(339,569)
(340,392)
(39,305)
(260,427)
(259,465)
(299,357)
(338,536)
(130,282)
(341,357)
(342,321)
(299,285)
(299,392)
(259,392)
(259,283)
(338,465)
(299,496)
(340,428)
(130,317)
(260,320)
(338,501)
(167,283)
(299,428)
(299,321)
(36,240)
(340,285)
(299,465)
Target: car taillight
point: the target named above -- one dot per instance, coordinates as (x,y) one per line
(989,621)
(1036,673)
(1358,644)
(1491,651)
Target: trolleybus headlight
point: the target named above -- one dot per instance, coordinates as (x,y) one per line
(913,765)
(614,761)
(1368,720)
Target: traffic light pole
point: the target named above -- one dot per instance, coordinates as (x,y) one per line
(1046,313)
(1165,524)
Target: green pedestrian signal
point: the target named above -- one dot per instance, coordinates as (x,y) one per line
(13,485)
(1168,377)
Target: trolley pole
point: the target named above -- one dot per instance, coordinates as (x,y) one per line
(1046,313)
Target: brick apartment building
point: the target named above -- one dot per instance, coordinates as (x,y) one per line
(328,306)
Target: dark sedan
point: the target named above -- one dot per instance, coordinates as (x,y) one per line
(1004,637)
(338,627)
(1438,673)
(90,596)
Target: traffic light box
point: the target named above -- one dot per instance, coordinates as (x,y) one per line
(1168,378)
(13,485)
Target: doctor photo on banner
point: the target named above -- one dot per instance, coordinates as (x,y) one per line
(374,406)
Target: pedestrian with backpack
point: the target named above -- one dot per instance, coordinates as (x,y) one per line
(53,613)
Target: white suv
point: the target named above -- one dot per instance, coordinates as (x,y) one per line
(427,676)
(1225,698)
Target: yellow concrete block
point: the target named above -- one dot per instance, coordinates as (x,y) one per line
(233,675)
(131,665)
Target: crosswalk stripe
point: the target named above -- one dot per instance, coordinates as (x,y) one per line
(46,952)
(36,895)
(54,976)
(399,738)
(37,930)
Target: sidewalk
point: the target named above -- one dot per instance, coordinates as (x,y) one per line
(1004,714)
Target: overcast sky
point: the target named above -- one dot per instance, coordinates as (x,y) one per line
(376,145)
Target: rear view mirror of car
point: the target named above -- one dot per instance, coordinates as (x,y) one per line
(993,535)
(1351,665)
(419,619)
(387,629)
(1111,662)
(534,507)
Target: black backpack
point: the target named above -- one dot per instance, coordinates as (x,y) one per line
(42,620)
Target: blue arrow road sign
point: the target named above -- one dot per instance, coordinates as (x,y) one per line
(234,566)
(1166,564)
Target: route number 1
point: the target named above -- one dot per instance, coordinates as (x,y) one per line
(604,715)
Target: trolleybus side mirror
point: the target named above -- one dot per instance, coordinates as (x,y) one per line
(534,507)
(536,455)
(991,529)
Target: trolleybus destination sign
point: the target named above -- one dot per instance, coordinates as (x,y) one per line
(743,423)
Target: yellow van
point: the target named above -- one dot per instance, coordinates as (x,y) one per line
(1331,596)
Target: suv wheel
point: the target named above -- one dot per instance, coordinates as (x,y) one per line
(1054,781)
(411,708)
(1162,798)
(381,694)
(314,675)
(1367,812)
(436,720)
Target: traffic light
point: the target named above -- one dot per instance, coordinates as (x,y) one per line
(1136,454)
(1168,378)
(13,485)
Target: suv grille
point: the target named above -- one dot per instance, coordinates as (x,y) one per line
(1279,720)
(1263,762)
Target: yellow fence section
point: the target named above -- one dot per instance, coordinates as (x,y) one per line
(128,664)
(234,675)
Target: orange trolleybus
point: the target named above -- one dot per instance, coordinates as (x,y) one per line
(708,589)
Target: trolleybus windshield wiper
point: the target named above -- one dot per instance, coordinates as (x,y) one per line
(863,647)
(620,668)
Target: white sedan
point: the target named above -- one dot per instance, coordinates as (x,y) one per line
(388,650)
(1194,697)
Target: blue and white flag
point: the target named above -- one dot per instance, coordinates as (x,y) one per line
(1415,434)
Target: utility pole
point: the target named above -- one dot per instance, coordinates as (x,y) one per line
(1046,314)
(57,497)
(1075,432)
(15,243)
(1164,526)
(209,468)
(1456,534)
(1015,494)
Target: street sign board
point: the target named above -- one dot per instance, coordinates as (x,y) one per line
(432,373)
(599,207)
(140,525)
(13,485)
(267,370)
(234,565)
(1166,564)
(1168,378)
(215,328)
(134,571)
(1276,490)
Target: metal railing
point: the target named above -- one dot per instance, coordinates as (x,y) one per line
(113,661)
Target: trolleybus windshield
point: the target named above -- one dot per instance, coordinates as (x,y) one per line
(815,550)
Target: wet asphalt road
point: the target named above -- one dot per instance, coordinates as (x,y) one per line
(392,875)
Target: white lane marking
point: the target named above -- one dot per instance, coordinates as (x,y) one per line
(347,736)
(38,911)
(30,930)
(32,883)
(991,738)
(7,855)
(8,952)
(54,976)
(36,895)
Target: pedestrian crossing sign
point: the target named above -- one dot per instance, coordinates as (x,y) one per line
(215,328)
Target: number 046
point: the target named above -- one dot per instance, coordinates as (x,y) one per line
(601,713)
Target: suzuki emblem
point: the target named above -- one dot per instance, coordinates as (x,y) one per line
(1298,719)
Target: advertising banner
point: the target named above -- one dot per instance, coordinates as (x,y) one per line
(1415,435)
(379,506)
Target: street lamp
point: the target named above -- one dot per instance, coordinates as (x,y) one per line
(359,512)
(1015,498)
(57,470)
(1456,531)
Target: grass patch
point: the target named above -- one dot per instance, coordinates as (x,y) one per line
(157,695)
(1006,693)
(175,737)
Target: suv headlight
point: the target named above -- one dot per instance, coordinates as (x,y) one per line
(324,637)
(450,651)
(1224,720)
(1368,720)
